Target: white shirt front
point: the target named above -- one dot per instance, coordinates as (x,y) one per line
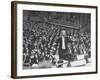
(63,43)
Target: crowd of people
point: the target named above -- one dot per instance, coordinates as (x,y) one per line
(39,42)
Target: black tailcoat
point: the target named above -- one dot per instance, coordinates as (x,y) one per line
(63,52)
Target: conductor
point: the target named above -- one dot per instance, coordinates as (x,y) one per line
(63,50)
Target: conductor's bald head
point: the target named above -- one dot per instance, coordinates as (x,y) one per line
(63,33)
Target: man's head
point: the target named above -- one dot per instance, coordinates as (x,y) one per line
(63,33)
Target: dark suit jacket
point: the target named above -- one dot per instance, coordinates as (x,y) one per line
(59,43)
